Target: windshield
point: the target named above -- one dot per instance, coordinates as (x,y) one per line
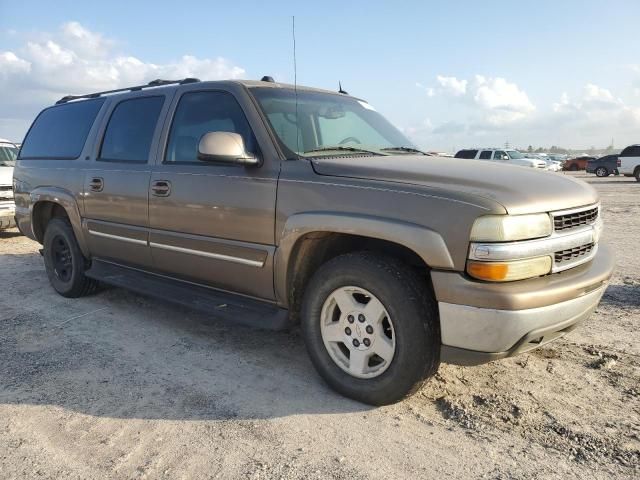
(515,155)
(323,124)
(8,154)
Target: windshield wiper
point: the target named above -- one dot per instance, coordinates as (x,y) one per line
(404,149)
(343,149)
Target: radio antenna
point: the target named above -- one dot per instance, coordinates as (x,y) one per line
(295,80)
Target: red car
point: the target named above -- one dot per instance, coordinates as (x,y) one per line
(578,163)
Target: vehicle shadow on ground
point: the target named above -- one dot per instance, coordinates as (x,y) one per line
(117,354)
(622,295)
(9,234)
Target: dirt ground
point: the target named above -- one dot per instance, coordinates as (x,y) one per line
(120,386)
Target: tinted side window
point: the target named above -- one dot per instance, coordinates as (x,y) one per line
(485,155)
(466,154)
(500,155)
(60,132)
(203,112)
(130,130)
(633,151)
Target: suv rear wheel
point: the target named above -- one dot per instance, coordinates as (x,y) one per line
(64,262)
(371,327)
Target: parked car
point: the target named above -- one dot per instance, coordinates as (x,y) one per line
(578,163)
(603,166)
(506,156)
(630,162)
(270,205)
(8,153)
(551,165)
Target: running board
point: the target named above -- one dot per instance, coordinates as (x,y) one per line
(223,305)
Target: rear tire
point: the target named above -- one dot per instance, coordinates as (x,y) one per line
(64,262)
(637,174)
(602,172)
(406,332)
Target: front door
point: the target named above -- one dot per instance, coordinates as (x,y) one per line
(116,185)
(213,223)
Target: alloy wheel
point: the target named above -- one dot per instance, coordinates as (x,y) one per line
(357,332)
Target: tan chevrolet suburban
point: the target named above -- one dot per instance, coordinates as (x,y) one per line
(273,205)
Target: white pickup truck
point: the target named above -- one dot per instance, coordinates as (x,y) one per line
(630,162)
(8,154)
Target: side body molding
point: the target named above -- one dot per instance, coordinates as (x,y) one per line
(426,243)
(66,200)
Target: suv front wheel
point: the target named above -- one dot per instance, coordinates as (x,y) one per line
(64,262)
(371,327)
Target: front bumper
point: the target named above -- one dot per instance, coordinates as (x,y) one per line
(7,214)
(481,322)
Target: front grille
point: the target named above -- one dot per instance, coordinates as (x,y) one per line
(575,219)
(571,254)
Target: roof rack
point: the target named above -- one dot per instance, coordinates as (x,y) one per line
(154,83)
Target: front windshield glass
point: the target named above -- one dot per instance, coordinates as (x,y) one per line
(323,124)
(514,154)
(8,154)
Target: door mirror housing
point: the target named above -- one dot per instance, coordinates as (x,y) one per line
(226,147)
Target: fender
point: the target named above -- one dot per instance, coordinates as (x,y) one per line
(66,200)
(426,243)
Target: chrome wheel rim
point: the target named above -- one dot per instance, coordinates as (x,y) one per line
(601,172)
(357,332)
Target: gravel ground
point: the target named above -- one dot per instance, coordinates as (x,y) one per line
(119,386)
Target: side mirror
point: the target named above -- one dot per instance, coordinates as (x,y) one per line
(227,147)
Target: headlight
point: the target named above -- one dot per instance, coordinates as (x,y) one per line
(509,271)
(506,228)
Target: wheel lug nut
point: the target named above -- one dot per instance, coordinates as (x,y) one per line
(347,331)
(366,342)
(361,318)
(369,329)
(350,318)
(356,343)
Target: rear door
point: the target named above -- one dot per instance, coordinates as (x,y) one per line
(116,185)
(213,223)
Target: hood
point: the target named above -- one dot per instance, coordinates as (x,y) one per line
(6,175)
(518,189)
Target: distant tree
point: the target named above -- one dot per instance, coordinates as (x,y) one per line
(530,149)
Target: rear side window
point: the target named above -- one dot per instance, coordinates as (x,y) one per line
(485,155)
(60,132)
(466,154)
(633,151)
(130,130)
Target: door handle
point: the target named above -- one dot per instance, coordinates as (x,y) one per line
(96,184)
(161,188)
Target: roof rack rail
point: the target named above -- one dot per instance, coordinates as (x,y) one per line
(154,83)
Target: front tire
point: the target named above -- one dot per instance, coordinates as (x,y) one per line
(64,262)
(637,174)
(371,327)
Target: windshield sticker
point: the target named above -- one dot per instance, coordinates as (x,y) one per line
(366,105)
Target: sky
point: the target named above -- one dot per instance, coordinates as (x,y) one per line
(450,74)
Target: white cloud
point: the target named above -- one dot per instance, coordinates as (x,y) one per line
(452,86)
(495,110)
(499,94)
(490,101)
(76,60)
